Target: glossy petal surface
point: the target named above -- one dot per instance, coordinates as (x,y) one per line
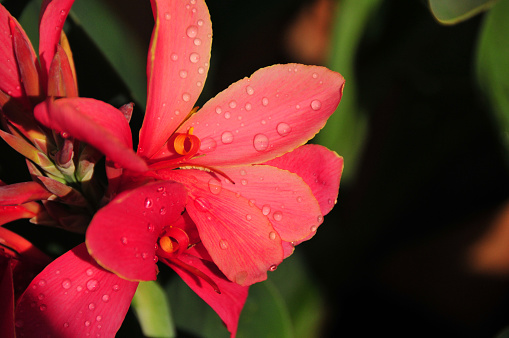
(319,167)
(74,297)
(94,122)
(229,303)
(7,298)
(274,111)
(123,234)
(19,193)
(177,66)
(11,213)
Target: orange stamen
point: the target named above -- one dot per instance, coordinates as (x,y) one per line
(168,245)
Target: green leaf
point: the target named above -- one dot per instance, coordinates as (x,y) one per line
(153,310)
(450,12)
(493,65)
(345,131)
(124,45)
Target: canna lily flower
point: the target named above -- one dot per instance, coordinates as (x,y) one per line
(250,189)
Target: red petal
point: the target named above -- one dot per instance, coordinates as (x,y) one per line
(229,303)
(13,212)
(319,167)
(123,234)
(94,122)
(259,118)
(61,78)
(19,193)
(238,237)
(6,298)
(178,62)
(54,14)
(74,297)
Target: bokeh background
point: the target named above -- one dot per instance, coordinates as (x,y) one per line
(418,244)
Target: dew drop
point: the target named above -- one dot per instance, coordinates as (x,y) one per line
(156,259)
(249,217)
(174,57)
(183,73)
(208,145)
(273,267)
(89,272)
(215,186)
(249,90)
(202,204)
(248,106)
(150,227)
(200,22)
(42,282)
(319,219)
(123,240)
(315,75)
(192,31)
(260,142)
(232,104)
(92,285)
(79,288)
(283,129)
(227,137)
(167,16)
(299,199)
(91,306)
(201,70)
(277,216)
(265,101)
(266,209)
(263,122)
(66,283)
(66,325)
(194,57)
(223,244)
(144,255)
(244,182)
(115,287)
(313,228)
(316,105)
(87,323)
(43,307)
(197,42)
(272,235)
(105,298)
(40,296)
(227,115)
(219,110)
(148,203)
(186,97)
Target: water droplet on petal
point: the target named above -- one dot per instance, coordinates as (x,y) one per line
(197,42)
(200,22)
(283,129)
(227,137)
(260,142)
(215,186)
(123,240)
(249,217)
(167,16)
(150,227)
(313,228)
(208,145)
(98,318)
(265,101)
(66,325)
(115,287)
(92,285)
(194,57)
(192,31)
(162,211)
(105,298)
(315,75)
(249,90)
(299,199)
(43,307)
(223,244)
(266,209)
(174,57)
(186,97)
(183,73)
(319,219)
(316,105)
(272,235)
(278,216)
(244,182)
(201,70)
(227,115)
(232,104)
(42,282)
(89,272)
(40,296)
(148,203)
(248,106)
(87,323)
(273,267)
(219,110)
(202,204)
(66,283)
(91,306)
(79,288)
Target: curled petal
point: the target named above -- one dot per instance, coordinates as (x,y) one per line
(178,62)
(19,193)
(9,213)
(259,118)
(74,297)
(94,122)
(123,234)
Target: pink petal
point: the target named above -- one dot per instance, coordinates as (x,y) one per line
(19,193)
(74,297)
(6,298)
(14,212)
(177,66)
(229,303)
(94,122)
(259,118)
(123,234)
(319,167)
(238,237)
(54,14)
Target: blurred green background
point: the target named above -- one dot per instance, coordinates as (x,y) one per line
(418,244)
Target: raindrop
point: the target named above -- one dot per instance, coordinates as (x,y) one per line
(223,244)
(215,186)
(186,97)
(162,211)
(263,122)
(316,105)
(43,307)
(244,182)
(227,115)
(105,298)
(278,216)
(219,110)
(167,16)
(150,227)
(42,282)
(174,57)
(41,296)
(266,209)
(227,137)
(79,288)
(66,283)
(123,240)
(144,255)
(315,75)
(319,219)
(89,272)
(156,259)
(192,31)
(265,101)
(87,323)
(200,22)
(329,201)
(66,325)
(232,104)
(92,285)
(299,199)
(115,287)
(283,129)
(202,204)
(160,189)
(98,318)
(197,42)
(194,57)
(249,90)
(248,106)
(313,228)
(248,217)
(91,306)
(272,235)
(201,70)
(148,203)
(208,145)
(176,112)
(260,142)
(273,267)
(183,73)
